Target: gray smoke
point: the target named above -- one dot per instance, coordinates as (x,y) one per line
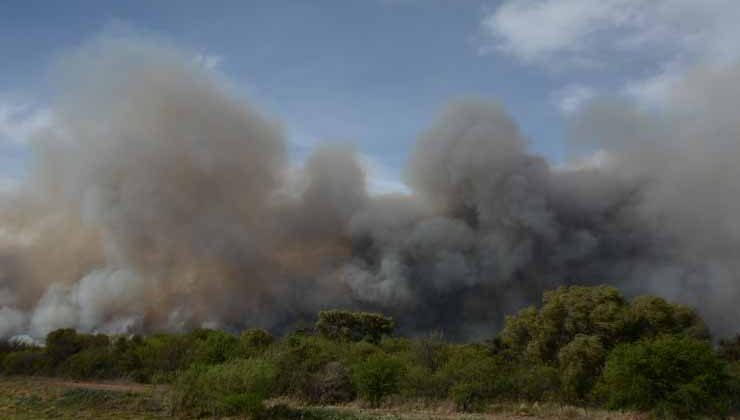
(159,201)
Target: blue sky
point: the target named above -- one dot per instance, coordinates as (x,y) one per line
(376,72)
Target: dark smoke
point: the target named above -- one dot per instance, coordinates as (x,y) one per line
(160,201)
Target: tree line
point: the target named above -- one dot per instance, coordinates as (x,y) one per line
(586,346)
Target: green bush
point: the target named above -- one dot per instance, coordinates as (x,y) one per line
(238,386)
(733,370)
(11,346)
(354,326)
(468,396)
(601,312)
(299,357)
(126,358)
(430,352)
(673,376)
(92,363)
(164,353)
(420,382)
(25,362)
(650,316)
(580,363)
(331,385)
(471,376)
(533,382)
(64,344)
(729,349)
(254,342)
(61,344)
(215,347)
(377,377)
(568,311)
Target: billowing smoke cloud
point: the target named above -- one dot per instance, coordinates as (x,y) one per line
(159,201)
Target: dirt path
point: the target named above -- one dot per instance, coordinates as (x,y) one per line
(103,386)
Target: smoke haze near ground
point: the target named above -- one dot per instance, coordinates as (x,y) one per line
(160,201)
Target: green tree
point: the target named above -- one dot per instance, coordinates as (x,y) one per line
(473,376)
(24,362)
(254,342)
(566,312)
(580,363)
(216,347)
(674,376)
(61,344)
(354,326)
(165,353)
(651,316)
(377,377)
(90,363)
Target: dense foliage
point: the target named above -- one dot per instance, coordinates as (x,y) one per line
(583,345)
(678,377)
(353,326)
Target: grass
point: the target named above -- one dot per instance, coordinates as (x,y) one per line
(42,398)
(520,412)
(33,398)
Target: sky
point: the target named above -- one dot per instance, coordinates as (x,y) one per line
(375,73)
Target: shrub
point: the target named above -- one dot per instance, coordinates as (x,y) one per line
(430,352)
(566,312)
(12,346)
(254,342)
(729,349)
(580,364)
(238,386)
(64,343)
(124,353)
(468,396)
(164,353)
(377,377)
(299,357)
(61,344)
(354,326)
(734,386)
(216,347)
(419,382)
(651,316)
(331,385)
(533,382)
(674,376)
(92,363)
(471,376)
(24,362)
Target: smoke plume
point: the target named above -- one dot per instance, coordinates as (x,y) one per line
(160,201)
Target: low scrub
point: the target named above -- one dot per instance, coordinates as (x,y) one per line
(236,387)
(377,377)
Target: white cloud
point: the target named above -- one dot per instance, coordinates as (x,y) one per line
(654,91)
(588,31)
(570,98)
(18,122)
(660,39)
(536,29)
(209,61)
